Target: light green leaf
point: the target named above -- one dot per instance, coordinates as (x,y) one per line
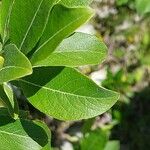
(57,29)
(79,49)
(75,3)
(95,140)
(9,92)
(27,22)
(2,104)
(0,22)
(9,101)
(15,65)
(6,101)
(1,62)
(0,44)
(6,9)
(146,59)
(112,145)
(23,135)
(13,101)
(143,6)
(121,2)
(65,94)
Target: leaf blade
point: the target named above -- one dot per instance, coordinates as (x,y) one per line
(13,68)
(12,99)
(69,21)
(6,10)
(75,3)
(78,50)
(65,94)
(22,134)
(32,21)
(6,101)
(142,6)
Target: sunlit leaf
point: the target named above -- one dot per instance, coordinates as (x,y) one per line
(77,50)
(65,94)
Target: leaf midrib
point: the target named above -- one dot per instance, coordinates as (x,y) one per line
(11,133)
(61,92)
(8,18)
(28,70)
(33,19)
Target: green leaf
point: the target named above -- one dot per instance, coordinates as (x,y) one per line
(2,104)
(57,29)
(65,94)
(77,50)
(121,2)
(145,59)
(143,6)
(9,101)
(86,128)
(0,22)
(15,65)
(1,62)
(23,135)
(95,140)
(75,3)
(27,22)
(9,92)
(6,9)
(5,100)
(112,145)
(22,114)
(4,112)
(13,101)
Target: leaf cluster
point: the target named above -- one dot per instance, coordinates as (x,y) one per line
(39,51)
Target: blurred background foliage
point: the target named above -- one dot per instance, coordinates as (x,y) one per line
(124,25)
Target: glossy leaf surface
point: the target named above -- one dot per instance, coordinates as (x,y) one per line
(15,64)
(27,22)
(77,50)
(23,135)
(65,94)
(58,29)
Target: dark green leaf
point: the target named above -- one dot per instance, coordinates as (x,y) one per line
(4,112)
(22,114)
(23,135)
